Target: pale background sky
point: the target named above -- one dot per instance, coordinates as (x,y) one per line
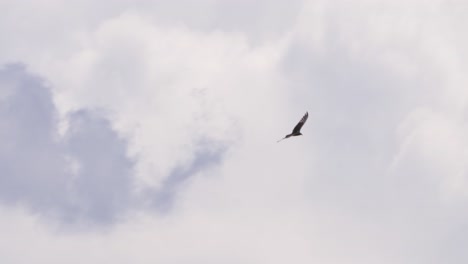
(145,131)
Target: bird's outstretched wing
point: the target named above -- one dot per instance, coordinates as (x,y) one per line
(299,125)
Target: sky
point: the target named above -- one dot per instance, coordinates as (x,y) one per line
(145,131)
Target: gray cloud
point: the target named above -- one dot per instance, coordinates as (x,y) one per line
(206,156)
(84,176)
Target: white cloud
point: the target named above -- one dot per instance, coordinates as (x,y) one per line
(379,177)
(169,88)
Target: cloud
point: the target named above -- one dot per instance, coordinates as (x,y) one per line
(389,118)
(200,100)
(162,198)
(85,175)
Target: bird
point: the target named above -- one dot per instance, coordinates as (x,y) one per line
(297,129)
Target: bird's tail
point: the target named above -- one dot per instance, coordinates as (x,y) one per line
(280,140)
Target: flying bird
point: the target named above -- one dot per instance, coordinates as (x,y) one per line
(297,129)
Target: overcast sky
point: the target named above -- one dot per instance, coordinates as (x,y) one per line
(145,131)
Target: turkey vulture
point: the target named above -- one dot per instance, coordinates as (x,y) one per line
(297,129)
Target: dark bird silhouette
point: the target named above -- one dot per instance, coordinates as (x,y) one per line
(297,129)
